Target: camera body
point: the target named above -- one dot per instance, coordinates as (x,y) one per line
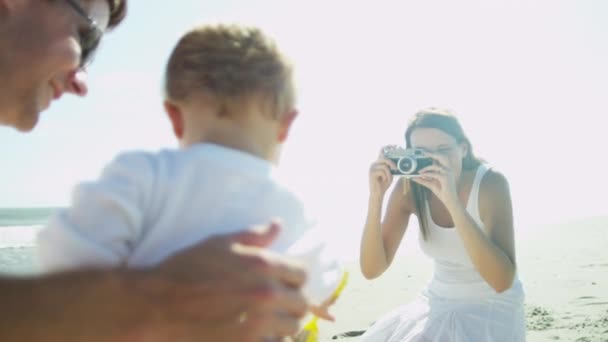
(409,161)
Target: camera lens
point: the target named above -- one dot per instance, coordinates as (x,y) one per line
(406,165)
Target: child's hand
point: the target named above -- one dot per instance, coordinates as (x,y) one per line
(321,311)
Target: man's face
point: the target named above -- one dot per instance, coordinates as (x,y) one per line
(43,56)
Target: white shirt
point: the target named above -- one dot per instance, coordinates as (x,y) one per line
(146,207)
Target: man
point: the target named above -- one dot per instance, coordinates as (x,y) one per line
(228,288)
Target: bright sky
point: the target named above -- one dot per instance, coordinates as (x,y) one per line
(528,80)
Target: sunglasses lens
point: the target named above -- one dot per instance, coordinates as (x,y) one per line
(89,41)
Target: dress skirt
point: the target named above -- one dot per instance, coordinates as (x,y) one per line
(432,319)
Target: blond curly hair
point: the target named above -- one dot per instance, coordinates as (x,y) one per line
(228,63)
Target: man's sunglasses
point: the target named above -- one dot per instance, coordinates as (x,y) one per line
(89,37)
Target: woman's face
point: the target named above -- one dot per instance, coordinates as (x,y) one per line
(437,141)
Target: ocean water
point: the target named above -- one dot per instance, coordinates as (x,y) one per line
(17,217)
(18,229)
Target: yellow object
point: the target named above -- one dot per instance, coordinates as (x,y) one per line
(406,186)
(310,332)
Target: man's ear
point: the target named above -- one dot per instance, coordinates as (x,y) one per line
(176,117)
(285,124)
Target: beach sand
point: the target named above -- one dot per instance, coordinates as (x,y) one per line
(564,270)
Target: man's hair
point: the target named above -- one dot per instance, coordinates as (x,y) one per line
(118,11)
(228,63)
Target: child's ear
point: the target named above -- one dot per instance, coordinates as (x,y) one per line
(177,118)
(285,124)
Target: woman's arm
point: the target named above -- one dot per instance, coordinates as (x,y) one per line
(381,239)
(492,252)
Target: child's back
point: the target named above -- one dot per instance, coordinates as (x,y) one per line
(145,207)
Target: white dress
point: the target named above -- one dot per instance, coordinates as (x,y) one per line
(457,305)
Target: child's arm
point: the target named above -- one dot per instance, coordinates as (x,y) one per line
(326,277)
(103,221)
(322,310)
(310,331)
(324,271)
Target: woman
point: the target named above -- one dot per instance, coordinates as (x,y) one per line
(465,216)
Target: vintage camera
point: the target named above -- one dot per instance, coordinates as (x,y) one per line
(409,161)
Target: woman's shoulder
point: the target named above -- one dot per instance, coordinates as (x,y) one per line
(493,180)
(493,190)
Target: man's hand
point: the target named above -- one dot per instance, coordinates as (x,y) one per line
(227,288)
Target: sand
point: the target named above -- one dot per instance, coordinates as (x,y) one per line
(564,269)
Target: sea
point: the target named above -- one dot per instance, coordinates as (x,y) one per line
(18,229)
(19,217)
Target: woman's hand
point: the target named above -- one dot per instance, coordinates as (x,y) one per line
(440,179)
(380,177)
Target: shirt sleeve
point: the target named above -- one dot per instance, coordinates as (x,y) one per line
(324,270)
(103,221)
(302,240)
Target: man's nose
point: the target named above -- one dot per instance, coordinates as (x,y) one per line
(77,83)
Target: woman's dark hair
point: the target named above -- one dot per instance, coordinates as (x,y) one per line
(445,121)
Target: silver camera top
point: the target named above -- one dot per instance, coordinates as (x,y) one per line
(400,152)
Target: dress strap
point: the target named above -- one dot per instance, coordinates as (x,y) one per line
(473,203)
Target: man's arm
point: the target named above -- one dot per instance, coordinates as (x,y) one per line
(76,306)
(199,294)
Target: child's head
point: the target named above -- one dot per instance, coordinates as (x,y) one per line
(229,85)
